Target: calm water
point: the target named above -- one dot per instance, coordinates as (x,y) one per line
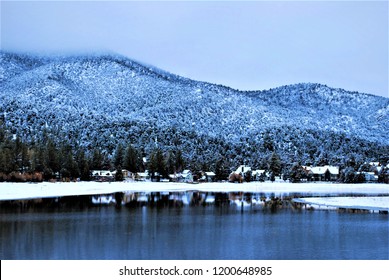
(191,233)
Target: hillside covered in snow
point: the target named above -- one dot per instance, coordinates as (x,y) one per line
(102,100)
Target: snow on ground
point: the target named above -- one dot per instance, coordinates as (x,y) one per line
(15,191)
(366,203)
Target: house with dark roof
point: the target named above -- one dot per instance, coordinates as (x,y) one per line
(322,173)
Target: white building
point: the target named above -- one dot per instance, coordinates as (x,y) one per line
(243,169)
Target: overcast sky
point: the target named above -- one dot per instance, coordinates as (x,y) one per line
(245,45)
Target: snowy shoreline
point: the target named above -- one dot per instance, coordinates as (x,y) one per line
(20,191)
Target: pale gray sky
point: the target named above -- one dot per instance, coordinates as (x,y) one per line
(251,45)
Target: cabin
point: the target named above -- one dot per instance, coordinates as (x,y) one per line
(125,173)
(186,176)
(259,175)
(102,175)
(323,173)
(239,174)
(174,177)
(142,176)
(210,176)
(242,169)
(371,177)
(207,176)
(376,167)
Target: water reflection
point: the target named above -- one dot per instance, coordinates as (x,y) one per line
(193,232)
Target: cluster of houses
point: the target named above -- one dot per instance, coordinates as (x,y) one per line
(185,176)
(375,169)
(245,173)
(315,173)
(331,173)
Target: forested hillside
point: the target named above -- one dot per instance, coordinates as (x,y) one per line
(94,103)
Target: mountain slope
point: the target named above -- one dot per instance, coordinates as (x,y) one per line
(106,99)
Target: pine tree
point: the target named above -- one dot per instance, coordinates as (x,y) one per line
(161,166)
(25,158)
(152,165)
(275,164)
(221,171)
(157,165)
(2,131)
(119,156)
(106,161)
(7,163)
(268,144)
(170,163)
(38,159)
(20,158)
(83,166)
(119,174)
(97,160)
(16,155)
(131,160)
(296,173)
(348,175)
(69,167)
(180,163)
(51,157)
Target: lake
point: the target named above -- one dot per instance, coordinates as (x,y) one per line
(191,232)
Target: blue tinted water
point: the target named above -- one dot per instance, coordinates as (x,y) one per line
(191,233)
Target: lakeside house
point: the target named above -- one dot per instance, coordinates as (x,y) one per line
(243,169)
(322,173)
(246,172)
(381,172)
(102,175)
(125,172)
(142,176)
(174,177)
(370,176)
(376,167)
(259,175)
(239,174)
(185,176)
(207,176)
(107,175)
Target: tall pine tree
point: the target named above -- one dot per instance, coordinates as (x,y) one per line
(131,159)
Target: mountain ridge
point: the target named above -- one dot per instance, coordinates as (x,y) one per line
(105,99)
(115,57)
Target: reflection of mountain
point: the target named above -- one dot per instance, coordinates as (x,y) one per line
(100,100)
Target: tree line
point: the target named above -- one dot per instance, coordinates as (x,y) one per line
(47,159)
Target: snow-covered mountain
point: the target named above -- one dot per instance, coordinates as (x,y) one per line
(101,100)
